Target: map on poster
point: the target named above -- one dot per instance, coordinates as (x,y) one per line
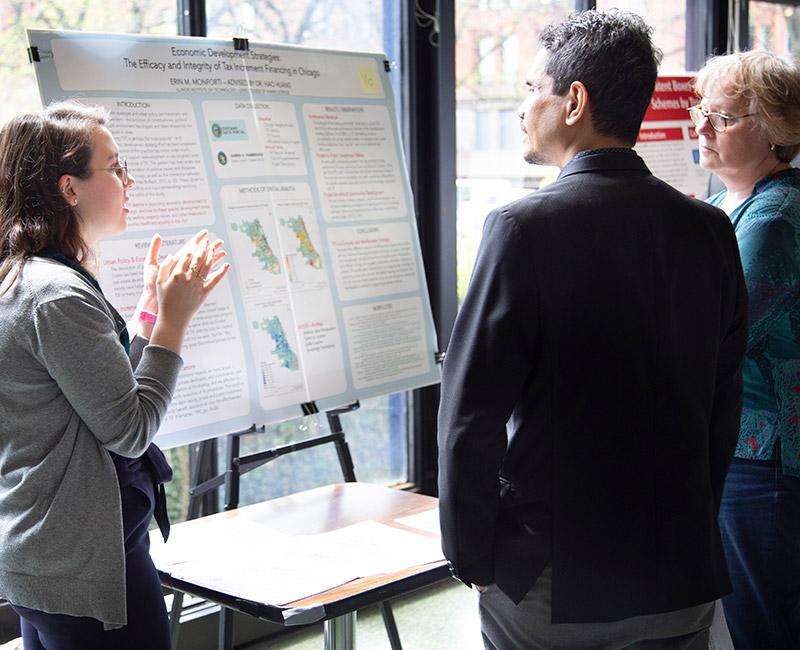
(667,141)
(293,157)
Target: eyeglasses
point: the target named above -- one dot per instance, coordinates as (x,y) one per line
(718,121)
(120,169)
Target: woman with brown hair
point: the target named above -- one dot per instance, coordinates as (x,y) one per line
(748,127)
(81,400)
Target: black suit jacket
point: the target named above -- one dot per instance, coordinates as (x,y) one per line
(591,395)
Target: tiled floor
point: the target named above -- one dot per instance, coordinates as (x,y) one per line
(442,617)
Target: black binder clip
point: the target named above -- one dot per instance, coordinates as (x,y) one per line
(309,408)
(33,54)
(387,67)
(438,357)
(241,44)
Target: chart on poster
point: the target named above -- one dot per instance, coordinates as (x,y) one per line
(293,157)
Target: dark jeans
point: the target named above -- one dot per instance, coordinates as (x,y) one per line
(760,524)
(147,627)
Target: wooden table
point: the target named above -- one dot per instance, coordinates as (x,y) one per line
(321,510)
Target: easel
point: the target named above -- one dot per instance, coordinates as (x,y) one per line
(236,466)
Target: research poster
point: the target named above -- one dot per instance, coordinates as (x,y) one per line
(293,157)
(667,141)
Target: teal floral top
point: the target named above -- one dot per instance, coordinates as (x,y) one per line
(767,228)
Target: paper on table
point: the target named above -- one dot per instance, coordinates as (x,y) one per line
(370,548)
(268,567)
(427,521)
(197,540)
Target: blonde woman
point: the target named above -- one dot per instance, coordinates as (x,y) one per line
(748,124)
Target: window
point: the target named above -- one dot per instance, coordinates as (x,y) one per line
(308,22)
(511,59)
(490,75)
(508,126)
(774,26)
(668,20)
(486,59)
(376,435)
(18,91)
(482,130)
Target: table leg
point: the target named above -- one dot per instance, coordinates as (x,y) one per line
(390,625)
(340,632)
(175,618)
(225,628)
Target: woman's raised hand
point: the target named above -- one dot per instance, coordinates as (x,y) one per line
(183,283)
(197,239)
(149,298)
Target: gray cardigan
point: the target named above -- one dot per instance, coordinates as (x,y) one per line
(67,396)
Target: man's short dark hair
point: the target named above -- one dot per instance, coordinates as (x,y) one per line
(613,55)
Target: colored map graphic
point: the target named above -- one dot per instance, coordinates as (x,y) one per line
(306,248)
(263,252)
(284,352)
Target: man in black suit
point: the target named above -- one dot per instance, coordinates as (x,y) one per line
(592,387)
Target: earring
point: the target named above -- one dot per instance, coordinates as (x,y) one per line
(771,147)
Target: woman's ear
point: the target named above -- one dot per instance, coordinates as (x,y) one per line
(67,190)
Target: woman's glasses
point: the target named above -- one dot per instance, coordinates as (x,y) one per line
(718,121)
(120,169)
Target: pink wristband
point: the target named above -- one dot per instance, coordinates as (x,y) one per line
(147,316)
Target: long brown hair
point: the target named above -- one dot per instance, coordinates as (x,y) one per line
(36,149)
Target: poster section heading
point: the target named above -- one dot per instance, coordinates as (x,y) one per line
(326,299)
(667,140)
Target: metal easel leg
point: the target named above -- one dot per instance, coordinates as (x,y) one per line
(391,627)
(340,632)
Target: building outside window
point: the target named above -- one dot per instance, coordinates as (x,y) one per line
(668,20)
(774,26)
(495,45)
(487,58)
(511,59)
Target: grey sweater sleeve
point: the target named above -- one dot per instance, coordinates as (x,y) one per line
(76,341)
(138,344)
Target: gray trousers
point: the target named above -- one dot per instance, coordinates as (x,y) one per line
(527,626)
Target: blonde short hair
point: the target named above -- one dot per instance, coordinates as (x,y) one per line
(769,85)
